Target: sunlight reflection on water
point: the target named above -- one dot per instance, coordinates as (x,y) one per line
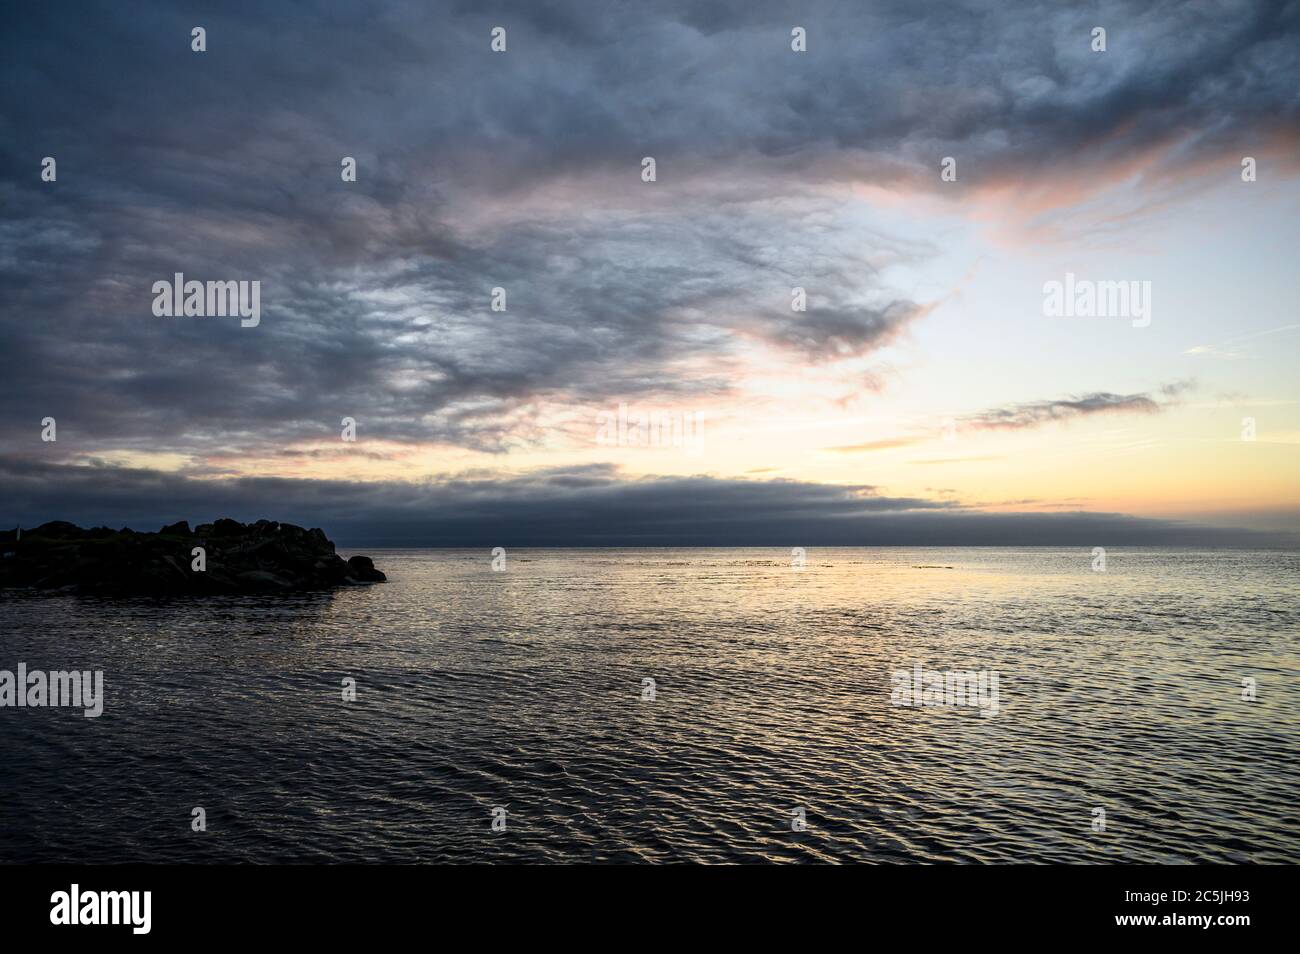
(523,690)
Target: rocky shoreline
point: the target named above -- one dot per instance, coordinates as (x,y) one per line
(214,558)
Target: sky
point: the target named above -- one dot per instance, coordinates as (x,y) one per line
(927,393)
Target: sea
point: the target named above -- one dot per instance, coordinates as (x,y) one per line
(677,706)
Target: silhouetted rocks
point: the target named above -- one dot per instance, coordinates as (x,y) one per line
(258,557)
(363,567)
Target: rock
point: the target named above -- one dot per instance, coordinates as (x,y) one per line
(59,530)
(262,579)
(363,569)
(265,556)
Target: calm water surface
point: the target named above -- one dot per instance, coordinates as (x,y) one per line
(522,690)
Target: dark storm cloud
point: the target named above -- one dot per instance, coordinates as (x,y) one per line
(583,506)
(520,170)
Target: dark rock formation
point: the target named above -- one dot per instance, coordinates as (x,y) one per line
(258,557)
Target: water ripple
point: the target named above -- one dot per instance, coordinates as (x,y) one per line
(523,691)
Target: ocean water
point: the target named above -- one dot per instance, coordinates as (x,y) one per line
(523,690)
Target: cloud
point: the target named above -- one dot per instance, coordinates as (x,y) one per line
(1236,347)
(958,460)
(520,170)
(885,444)
(580,506)
(1033,414)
